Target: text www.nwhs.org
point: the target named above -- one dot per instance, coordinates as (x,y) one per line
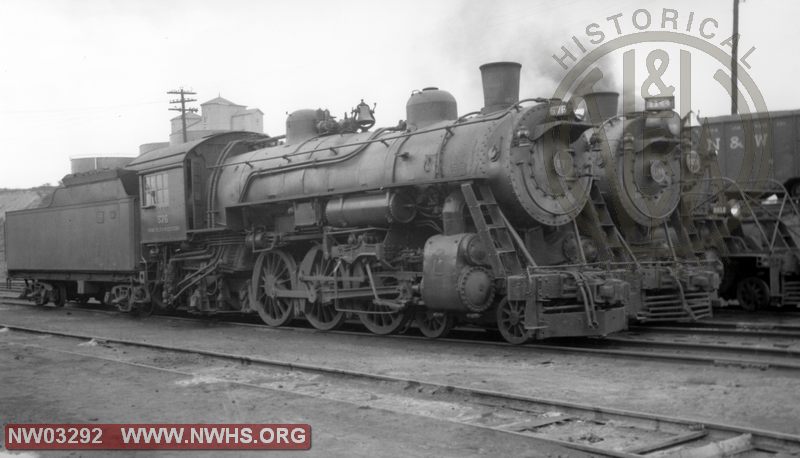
(158,436)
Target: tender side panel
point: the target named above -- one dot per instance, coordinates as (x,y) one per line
(94,237)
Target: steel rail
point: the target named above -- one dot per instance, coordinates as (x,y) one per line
(748,331)
(746,349)
(762,439)
(586,346)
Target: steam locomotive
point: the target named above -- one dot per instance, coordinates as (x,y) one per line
(442,219)
(643,163)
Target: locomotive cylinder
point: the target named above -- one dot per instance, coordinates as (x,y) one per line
(370,210)
(450,282)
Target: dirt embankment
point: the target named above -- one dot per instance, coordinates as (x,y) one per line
(19,199)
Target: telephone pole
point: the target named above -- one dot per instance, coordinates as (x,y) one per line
(183,101)
(734,59)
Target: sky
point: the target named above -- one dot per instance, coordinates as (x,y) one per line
(89,77)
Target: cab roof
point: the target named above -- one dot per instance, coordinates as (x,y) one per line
(174,155)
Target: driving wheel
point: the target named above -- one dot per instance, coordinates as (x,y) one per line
(274,273)
(321,315)
(380,319)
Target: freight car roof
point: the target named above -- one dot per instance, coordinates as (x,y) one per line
(757,115)
(174,155)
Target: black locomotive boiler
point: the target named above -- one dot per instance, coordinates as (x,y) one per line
(434,219)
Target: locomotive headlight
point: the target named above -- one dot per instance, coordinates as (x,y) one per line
(522,135)
(693,162)
(659,103)
(580,113)
(735,208)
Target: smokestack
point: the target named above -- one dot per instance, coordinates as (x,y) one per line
(500,85)
(600,106)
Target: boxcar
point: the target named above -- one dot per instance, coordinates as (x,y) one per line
(755,147)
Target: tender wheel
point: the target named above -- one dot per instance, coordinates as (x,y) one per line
(274,272)
(322,316)
(40,294)
(752,293)
(511,321)
(59,295)
(434,325)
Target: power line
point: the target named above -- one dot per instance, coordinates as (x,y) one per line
(80,109)
(183,101)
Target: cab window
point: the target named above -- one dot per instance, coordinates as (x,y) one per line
(155,190)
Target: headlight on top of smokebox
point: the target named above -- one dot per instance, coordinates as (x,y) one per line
(659,103)
(666,123)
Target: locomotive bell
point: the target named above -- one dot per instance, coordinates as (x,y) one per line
(364,115)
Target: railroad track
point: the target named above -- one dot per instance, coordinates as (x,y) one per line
(589,428)
(749,333)
(721,328)
(719,353)
(618,346)
(791,313)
